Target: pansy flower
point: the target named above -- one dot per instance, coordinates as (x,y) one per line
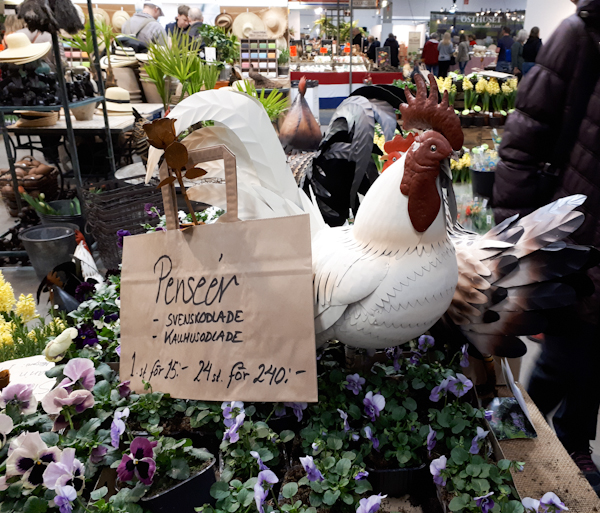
(312,472)
(30,459)
(55,400)
(6,426)
(374,404)
(117,427)
(369,436)
(139,463)
(80,372)
(460,385)
(231,409)
(464,359)
(65,495)
(55,349)
(256,456)
(297,409)
(431,439)
(425,343)
(436,467)
(87,336)
(265,481)
(355,383)
(344,417)
(370,504)
(485,502)
(231,433)
(20,396)
(481,434)
(439,391)
(551,502)
(68,471)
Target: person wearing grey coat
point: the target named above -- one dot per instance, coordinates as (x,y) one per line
(144,26)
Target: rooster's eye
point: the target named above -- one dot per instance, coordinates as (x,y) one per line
(433,148)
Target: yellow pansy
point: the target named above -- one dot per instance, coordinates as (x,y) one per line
(26,308)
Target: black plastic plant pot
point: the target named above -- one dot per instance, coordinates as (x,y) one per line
(397,482)
(184,497)
(483,182)
(495,121)
(466,121)
(479,120)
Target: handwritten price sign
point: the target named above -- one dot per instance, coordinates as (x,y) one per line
(221,312)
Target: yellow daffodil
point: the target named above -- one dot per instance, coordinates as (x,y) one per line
(26,308)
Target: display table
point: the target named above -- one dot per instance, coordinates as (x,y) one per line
(94,126)
(334,86)
(475,62)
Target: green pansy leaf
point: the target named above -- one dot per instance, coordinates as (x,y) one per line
(289,490)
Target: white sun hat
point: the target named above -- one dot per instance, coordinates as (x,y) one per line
(21,50)
(245,23)
(276,21)
(118,101)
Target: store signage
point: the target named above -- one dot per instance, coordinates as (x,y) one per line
(365,4)
(293,51)
(31,371)
(221,312)
(414,42)
(479,19)
(323,50)
(258,34)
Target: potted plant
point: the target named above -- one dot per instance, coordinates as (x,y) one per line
(283,62)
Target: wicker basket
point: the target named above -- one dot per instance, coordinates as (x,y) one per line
(117,205)
(47,184)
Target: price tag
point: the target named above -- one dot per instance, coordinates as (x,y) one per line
(293,51)
(323,50)
(31,371)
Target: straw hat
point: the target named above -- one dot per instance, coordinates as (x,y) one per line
(275,20)
(118,101)
(245,23)
(281,43)
(37,119)
(119,18)
(224,20)
(21,50)
(100,15)
(121,58)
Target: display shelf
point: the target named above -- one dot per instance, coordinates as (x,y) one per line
(51,108)
(259,54)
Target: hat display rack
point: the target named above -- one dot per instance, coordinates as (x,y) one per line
(66,106)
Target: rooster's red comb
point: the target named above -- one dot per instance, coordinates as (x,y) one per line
(423,112)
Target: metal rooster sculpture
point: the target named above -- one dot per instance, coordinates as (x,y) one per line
(405,263)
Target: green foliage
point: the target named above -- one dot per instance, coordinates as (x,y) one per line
(284,58)
(275,103)
(227,45)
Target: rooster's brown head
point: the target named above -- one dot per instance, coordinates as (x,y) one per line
(423,160)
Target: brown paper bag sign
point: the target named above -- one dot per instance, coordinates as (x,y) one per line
(222,311)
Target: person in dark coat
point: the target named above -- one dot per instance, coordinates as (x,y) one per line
(530,49)
(372,48)
(556,126)
(181,20)
(394,49)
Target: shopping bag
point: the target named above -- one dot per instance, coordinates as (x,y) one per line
(222,311)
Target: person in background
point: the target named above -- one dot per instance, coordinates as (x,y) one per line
(372,48)
(556,126)
(394,49)
(430,54)
(463,53)
(531,49)
(144,26)
(472,41)
(445,51)
(357,38)
(516,54)
(181,20)
(12,24)
(505,43)
(196,21)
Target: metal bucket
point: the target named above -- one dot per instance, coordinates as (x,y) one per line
(48,246)
(64,217)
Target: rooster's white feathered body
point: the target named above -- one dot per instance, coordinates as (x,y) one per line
(379,282)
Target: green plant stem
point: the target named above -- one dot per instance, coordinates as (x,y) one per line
(83,505)
(68,417)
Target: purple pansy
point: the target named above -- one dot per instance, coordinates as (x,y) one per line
(344,417)
(121,234)
(139,463)
(374,404)
(370,504)
(98,453)
(150,210)
(489,415)
(29,456)
(369,436)
(439,391)
(266,480)
(118,350)
(431,439)
(485,502)
(355,383)
(98,314)
(64,496)
(460,385)
(297,408)
(6,426)
(123,388)
(312,472)
(231,433)
(415,358)
(464,359)
(69,471)
(230,410)
(531,505)
(481,434)
(87,336)
(363,474)
(551,500)
(84,290)
(113,317)
(80,371)
(117,428)
(21,396)
(394,354)
(55,400)
(426,342)
(256,456)
(436,467)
